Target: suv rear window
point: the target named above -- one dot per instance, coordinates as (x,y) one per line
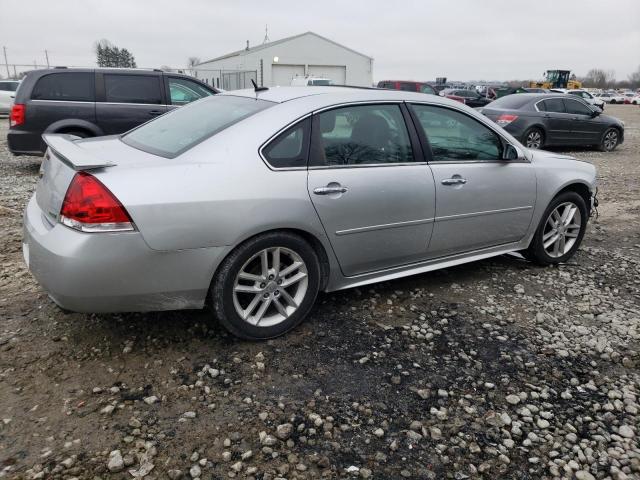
(185,127)
(70,87)
(132,88)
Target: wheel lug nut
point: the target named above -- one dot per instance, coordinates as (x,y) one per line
(270,277)
(276,293)
(262,285)
(266,295)
(279,281)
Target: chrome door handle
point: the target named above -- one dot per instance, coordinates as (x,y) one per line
(329,190)
(454,181)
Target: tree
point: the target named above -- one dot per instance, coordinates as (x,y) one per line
(191,63)
(108,55)
(634,78)
(599,78)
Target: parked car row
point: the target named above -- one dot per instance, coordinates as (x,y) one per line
(93,102)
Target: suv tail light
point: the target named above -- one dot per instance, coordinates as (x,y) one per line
(505,119)
(17,114)
(89,206)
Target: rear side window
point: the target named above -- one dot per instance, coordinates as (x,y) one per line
(132,88)
(184,91)
(408,87)
(183,128)
(70,87)
(290,148)
(360,135)
(427,89)
(554,105)
(9,86)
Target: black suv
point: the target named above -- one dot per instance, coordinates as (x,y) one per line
(93,102)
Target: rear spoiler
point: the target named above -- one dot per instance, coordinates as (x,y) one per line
(65,148)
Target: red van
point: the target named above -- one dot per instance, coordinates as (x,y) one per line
(407,85)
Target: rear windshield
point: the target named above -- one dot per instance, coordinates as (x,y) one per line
(183,128)
(510,102)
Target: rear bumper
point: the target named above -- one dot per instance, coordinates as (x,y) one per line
(24,142)
(114,272)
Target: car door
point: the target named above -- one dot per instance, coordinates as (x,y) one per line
(586,128)
(127,100)
(370,186)
(180,91)
(481,199)
(556,121)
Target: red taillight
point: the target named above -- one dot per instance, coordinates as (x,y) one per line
(17,114)
(506,119)
(89,206)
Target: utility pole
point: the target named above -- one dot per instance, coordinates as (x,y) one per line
(6,62)
(46,54)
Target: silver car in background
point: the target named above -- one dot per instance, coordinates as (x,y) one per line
(254,201)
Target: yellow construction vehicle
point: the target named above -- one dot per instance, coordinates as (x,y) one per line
(558,79)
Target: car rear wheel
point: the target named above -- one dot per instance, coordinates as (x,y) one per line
(267,286)
(534,138)
(560,231)
(610,140)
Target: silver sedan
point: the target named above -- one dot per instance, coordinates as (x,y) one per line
(252,202)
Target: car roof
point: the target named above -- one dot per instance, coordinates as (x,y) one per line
(285,94)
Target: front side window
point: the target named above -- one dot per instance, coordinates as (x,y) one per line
(183,128)
(132,89)
(183,91)
(454,136)
(427,89)
(361,135)
(289,149)
(69,87)
(576,108)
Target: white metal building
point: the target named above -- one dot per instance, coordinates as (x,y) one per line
(278,62)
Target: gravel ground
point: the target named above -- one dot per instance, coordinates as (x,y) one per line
(497,369)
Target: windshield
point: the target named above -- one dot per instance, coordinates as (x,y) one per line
(183,128)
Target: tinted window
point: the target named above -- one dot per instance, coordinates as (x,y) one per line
(132,88)
(427,89)
(511,102)
(360,135)
(576,108)
(74,86)
(409,87)
(183,128)
(555,105)
(9,86)
(184,91)
(290,148)
(455,136)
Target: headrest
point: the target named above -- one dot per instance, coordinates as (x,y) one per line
(327,122)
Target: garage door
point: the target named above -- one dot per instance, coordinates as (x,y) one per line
(337,73)
(282,75)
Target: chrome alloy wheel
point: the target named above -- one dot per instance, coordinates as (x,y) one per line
(562,229)
(270,286)
(534,140)
(610,140)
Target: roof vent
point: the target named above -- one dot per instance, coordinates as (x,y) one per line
(247,45)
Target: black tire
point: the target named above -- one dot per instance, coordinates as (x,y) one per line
(221,294)
(533,138)
(536,251)
(610,140)
(613,102)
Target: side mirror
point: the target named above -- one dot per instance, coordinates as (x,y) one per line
(594,113)
(510,153)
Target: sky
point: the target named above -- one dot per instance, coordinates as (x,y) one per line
(408,39)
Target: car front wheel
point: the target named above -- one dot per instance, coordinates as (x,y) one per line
(610,140)
(266,286)
(560,231)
